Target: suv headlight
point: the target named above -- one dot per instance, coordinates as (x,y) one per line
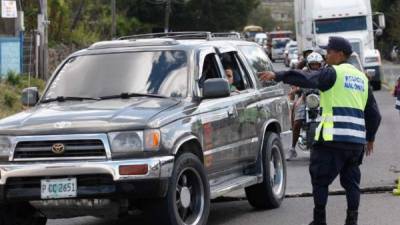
(134,141)
(6,144)
(312,101)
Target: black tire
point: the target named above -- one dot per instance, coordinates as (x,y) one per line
(266,195)
(376,85)
(169,210)
(21,214)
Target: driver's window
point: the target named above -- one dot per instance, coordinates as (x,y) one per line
(234,72)
(210,69)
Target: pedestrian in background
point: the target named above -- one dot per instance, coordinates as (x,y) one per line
(350,119)
(396,94)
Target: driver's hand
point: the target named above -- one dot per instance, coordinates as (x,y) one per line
(266,76)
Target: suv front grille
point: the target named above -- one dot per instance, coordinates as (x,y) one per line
(59,149)
(28,188)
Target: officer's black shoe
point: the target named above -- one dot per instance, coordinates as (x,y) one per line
(319,217)
(352,217)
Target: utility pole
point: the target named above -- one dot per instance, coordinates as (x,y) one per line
(167,15)
(43,42)
(113,24)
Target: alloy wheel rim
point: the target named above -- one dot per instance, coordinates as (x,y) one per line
(276,171)
(189,196)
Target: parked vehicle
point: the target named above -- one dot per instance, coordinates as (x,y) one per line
(352,19)
(278,48)
(149,123)
(274,35)
(290,45)
(293,57)
(251,31)
(394,54)
(259,38)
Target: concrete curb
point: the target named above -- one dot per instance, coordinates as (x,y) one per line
(367,190)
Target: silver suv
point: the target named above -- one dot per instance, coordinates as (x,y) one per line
(147,122)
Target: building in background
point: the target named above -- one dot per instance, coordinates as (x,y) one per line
(282,13)
(11,38)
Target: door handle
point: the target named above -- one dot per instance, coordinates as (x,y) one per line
(231,112)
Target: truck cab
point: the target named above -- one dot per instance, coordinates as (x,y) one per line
(352,19)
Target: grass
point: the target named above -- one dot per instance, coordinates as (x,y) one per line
(11,87)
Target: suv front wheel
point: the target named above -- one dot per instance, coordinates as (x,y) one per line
(270,193)
(188,198)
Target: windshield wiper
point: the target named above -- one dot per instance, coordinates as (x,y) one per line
(67,98)
(125,95)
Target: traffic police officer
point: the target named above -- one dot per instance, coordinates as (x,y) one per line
(350,119)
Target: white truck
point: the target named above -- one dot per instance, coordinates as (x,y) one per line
(317,20)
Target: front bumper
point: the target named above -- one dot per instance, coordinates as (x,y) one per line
(94,179)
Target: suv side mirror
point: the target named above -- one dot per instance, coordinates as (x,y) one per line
(216,88)
(30,96)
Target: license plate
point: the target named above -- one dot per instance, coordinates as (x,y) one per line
(58,188)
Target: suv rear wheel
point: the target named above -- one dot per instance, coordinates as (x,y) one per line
(270,193)
(188,198)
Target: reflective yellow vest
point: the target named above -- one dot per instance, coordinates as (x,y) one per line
(343,107)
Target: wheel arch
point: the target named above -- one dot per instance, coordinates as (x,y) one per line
(190,144)
(272,125)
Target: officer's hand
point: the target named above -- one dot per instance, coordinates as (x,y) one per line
(369,148)
(266,76)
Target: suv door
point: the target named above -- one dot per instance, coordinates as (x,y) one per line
(245,98)
(218,118)
(271,94)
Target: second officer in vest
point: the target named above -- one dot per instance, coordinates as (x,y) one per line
(350,120)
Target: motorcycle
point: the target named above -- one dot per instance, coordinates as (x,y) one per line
(313,111)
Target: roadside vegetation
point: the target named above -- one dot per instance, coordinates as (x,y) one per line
(82,22)
(11,87)
(391,34)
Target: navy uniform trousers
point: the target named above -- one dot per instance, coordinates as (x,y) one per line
(326,163)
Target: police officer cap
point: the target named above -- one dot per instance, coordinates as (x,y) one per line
(339,44)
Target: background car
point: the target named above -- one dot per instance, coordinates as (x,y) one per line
(293,57)
(278,48)
(289,45)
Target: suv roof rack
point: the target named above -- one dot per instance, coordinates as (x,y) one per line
(175,35)
(230,35)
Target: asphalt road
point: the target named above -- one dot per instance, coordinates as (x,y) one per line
(378,170)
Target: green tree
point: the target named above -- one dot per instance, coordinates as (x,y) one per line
(217,15)
(83,22)
(391,34)
(261,16)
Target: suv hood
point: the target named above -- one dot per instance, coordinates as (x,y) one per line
(85,116)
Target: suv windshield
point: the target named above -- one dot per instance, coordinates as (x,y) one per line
(161,73)
(341,24)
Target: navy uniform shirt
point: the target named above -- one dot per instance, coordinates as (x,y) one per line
(323,80)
